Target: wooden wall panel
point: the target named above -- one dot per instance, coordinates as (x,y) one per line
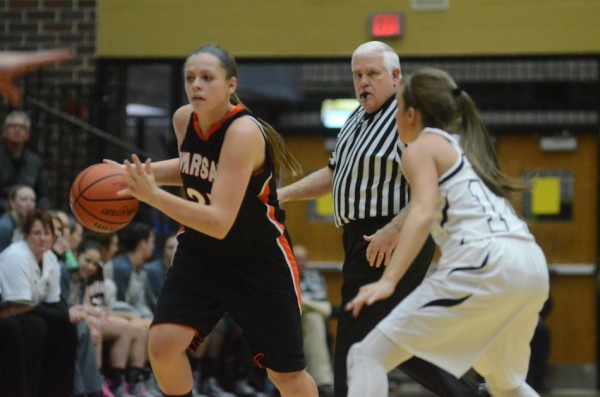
(323,239)
(572,321)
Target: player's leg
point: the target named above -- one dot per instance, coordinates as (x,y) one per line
(293,384)
(506,361)
(167,347)
(439,381)
(316,350)
(263,300)
(356,273)
(370,361)
(185,313)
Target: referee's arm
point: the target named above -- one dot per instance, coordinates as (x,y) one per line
(312,186)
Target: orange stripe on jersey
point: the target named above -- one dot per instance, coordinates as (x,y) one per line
(282,241)
(291,261)
(237,108)
(263,196)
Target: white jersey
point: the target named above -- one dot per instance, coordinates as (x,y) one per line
(22,279)
(467,209)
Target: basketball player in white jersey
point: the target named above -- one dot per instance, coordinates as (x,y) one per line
(480,308)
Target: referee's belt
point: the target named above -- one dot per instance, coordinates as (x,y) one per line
(360,225)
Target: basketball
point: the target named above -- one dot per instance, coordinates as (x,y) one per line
(94,201)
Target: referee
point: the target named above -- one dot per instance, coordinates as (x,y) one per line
(365,177)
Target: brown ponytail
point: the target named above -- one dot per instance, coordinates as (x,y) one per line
(444,105)
(280,155)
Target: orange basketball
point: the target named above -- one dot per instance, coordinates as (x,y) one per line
(94,200)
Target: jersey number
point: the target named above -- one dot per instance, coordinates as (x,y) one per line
(202,198)
(496,222)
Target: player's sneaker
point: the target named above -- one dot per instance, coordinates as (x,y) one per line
(243,388)
(110,389)
(211,388)
(138,389)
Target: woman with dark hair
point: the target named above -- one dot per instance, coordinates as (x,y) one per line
(233,254)
(30,273)
(21,201)
(480,308)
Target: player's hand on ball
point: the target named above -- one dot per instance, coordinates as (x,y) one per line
(140,180)
(113,162)
(369,294)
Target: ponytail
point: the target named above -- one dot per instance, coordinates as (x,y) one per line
(445,105)
(280,155)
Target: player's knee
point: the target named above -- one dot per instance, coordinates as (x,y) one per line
(287,380)
(156,347)
(162,346)
(356,354)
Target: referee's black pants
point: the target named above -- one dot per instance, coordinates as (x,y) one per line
(356,273)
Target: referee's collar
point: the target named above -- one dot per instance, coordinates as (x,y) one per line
(368,116)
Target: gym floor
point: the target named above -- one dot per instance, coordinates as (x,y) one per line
(564,381)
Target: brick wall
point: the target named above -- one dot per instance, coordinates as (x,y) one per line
(54,93)
(28,25)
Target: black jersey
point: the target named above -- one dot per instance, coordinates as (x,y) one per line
(259,217)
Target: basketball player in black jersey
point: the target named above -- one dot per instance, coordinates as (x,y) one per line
(233,252)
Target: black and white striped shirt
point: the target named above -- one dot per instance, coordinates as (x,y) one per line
(367,178)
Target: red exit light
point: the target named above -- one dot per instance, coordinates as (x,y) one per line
(387,24)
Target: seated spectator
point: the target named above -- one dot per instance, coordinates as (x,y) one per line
(124,333)
(30,273)
(109,243)
(157,269)
(316,310)
(21,350)
(19,165)
(73,235)
(88,378)
(75,230)
(21,201)
(137,245)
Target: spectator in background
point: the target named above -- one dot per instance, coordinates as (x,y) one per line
(21,201)
(19,165)
(157,269)
(137,243)
(88,379)
(128,297)
(109,243)
(126,338)
(75,236)
(316,310)
(29,272)
(67,242)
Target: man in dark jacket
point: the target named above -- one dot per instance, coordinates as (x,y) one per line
(19,165)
